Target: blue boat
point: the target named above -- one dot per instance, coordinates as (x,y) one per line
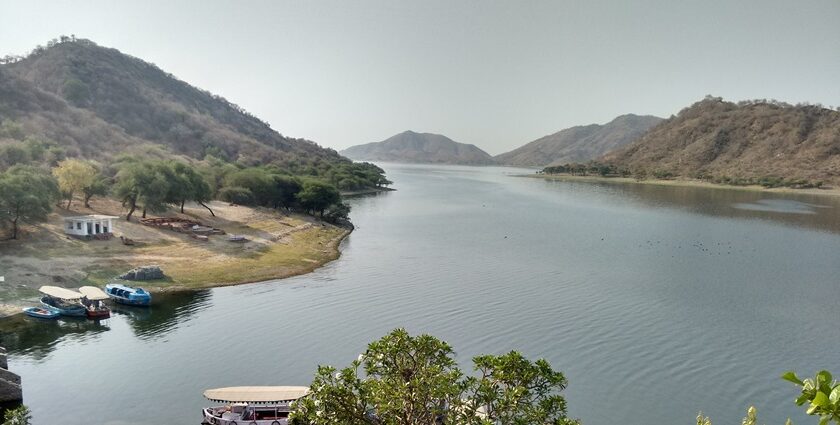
(128,295)
(63,300)
(41,313)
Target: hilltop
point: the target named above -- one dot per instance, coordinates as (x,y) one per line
(97,102)
(750,142)
(414,147)
(580,143)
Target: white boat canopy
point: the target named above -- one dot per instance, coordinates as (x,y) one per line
(93,293)
(63,293)
(256,394)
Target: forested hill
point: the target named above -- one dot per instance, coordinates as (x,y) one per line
(580,143)
(414,147)
(108,99)
(741,143)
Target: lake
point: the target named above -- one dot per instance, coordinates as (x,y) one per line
(655,301)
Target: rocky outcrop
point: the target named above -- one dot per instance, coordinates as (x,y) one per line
(10,389)
(143,273)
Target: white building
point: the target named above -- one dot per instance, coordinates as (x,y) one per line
(89,225)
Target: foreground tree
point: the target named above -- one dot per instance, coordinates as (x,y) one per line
(26,193)
(405,380)
(74,176)
(821,393)
(18,416)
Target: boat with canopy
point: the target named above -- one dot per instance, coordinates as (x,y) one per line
(128,295)
(252,405)
(65,301)
(94,302)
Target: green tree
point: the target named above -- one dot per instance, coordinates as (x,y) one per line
(142,183)
(405,380)
(237,195)
(74,176)
(17,416)
(26,193)
(317,196)
(99,187)
(13,154)
(821,393)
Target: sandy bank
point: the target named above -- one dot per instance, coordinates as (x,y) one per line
(278,245)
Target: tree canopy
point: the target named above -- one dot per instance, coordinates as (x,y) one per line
(414,380)
(74,176)
(26,193)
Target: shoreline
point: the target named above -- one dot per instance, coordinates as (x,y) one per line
(835,192)
(278,246)
(15,307)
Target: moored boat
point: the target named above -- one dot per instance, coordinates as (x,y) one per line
(41,313)
(65,301)
(128,295)
(94,302)
(251,405)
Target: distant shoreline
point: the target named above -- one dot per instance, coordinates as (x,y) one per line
(685,183)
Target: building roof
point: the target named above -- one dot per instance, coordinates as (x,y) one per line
(90,217)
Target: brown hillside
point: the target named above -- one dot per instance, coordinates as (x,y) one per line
(580,143)
(714,139)
(96,101)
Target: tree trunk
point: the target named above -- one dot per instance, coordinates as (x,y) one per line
(208,208)
(69,200)
(182,207)
(144,211)
(14,228)
(87,200)
(131,211)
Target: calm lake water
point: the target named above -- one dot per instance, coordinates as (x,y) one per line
(656,302)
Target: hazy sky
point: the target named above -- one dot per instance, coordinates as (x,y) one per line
(495,74)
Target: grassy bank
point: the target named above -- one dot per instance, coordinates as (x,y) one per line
(684,183)
(278,245)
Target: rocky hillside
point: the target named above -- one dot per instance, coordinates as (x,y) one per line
(581,143)
(96,102)
(420,148)
(724,141)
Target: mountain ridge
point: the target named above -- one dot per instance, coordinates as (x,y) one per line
(413,147)
(580,143)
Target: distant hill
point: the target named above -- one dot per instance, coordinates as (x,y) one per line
(581,143)
(98,102)
(414,147)
(724,141)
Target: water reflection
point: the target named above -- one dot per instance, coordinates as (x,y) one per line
(800,209)
(36,338)
(167,312)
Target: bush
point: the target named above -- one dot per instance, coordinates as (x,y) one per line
(237,195)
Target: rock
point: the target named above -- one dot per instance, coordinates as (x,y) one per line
(10,389)
(143,273)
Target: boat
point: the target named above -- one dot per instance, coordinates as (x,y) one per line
(41,313)
(65,301)
(94,301)
(128,295)
(251,405)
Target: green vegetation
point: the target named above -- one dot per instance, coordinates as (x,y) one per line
(405,380)
(74,176)
(595,168)
(17,416)
(26,193)
(821,393)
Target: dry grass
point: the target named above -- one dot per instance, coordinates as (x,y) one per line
(278,246)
